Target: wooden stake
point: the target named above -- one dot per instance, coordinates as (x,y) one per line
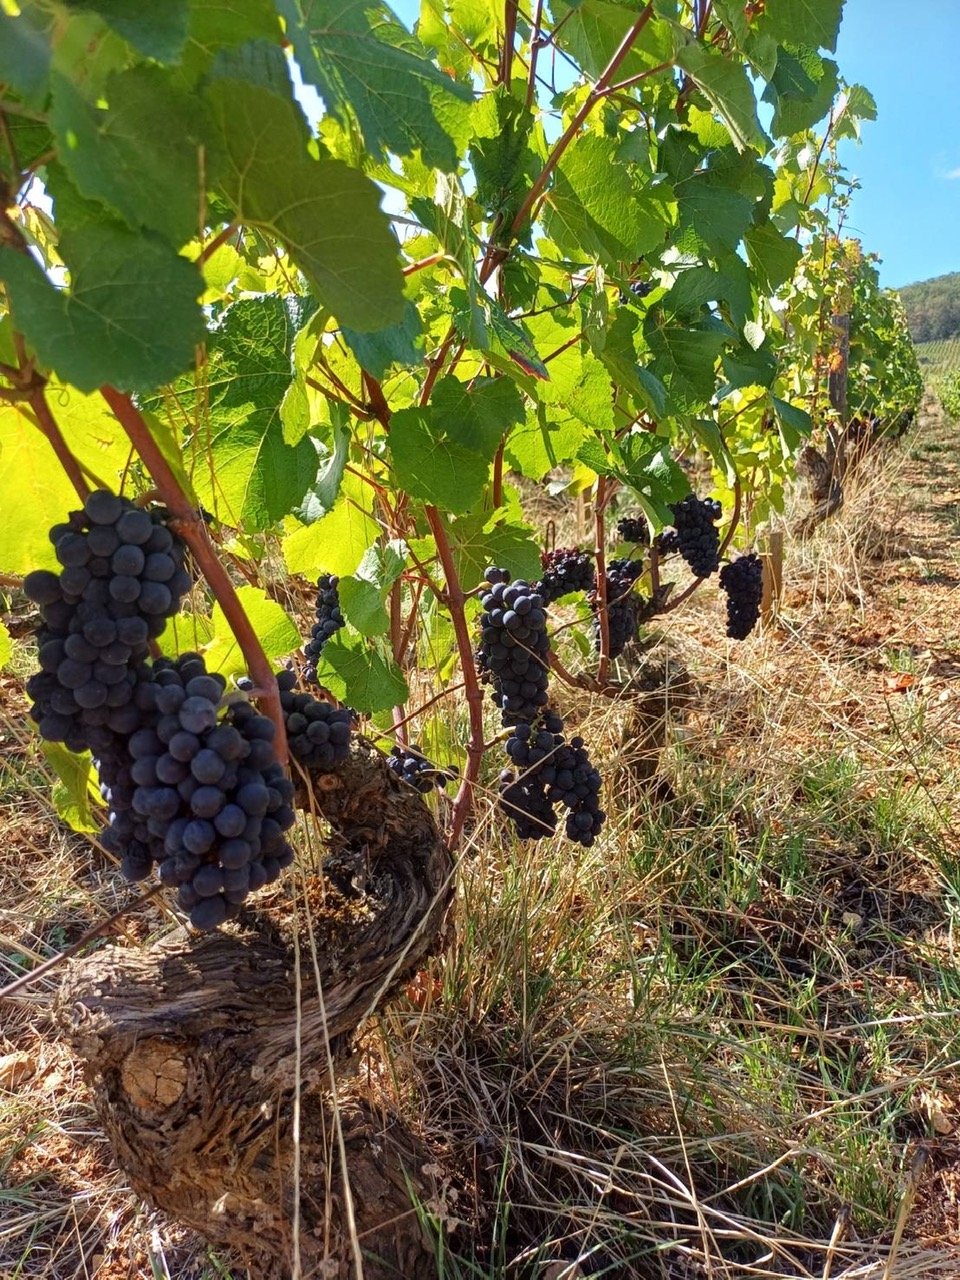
(772,558)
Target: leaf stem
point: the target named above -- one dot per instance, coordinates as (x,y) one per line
(193,531)
(456,599)
(534,53)
(216,243)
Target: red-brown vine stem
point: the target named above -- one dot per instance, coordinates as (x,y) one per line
(534,52)
(218,241)
(455,599)
(193,531)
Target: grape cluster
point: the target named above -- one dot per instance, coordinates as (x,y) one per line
(565,570)
(328,623)
(515,647)
(639,288)
(122,576)
(623,605)
(410,764)
(208,787)
(695,534)
(633,529)
(554,771)
(318,733)
(742,580)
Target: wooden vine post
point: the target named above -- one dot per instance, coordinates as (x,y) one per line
(772,559)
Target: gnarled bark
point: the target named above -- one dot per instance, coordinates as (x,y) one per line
(195,1046)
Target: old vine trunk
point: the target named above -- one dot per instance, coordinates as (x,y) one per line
(220,1064)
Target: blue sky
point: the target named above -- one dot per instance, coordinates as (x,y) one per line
(908,208)
(907,53)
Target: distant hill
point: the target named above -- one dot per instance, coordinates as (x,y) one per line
(933,308)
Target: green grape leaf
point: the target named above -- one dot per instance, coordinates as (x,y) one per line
(359,676)
(130,317)
(810,22)
(475,416)
(364,63)
(710,436)
(326,214)
(6,646)
(712,217)
(772,255)
(185,633)
(726,86)
(433,468)
(795,423)
(28,464)
(801,90)
(146,141)
(544,441)
(75,788)
(749,366)
(24,57)
(593,30)
(246,472)
(397,344)
(684,359)
(503,162)
(648,469)
(478,541)
(509,336)
(601,206)
(363,594)
(275,629)
(337,542)
(156,30)
(322,494)
(620,357)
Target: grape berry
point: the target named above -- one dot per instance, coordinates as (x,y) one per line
(318,733)
(633,529)
(122,576)
(410,764)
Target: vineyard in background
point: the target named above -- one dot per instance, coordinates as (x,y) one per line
(939,359)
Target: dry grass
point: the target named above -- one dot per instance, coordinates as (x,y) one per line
(723,1043)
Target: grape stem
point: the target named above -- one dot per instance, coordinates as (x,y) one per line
(193,531)
(455,599)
